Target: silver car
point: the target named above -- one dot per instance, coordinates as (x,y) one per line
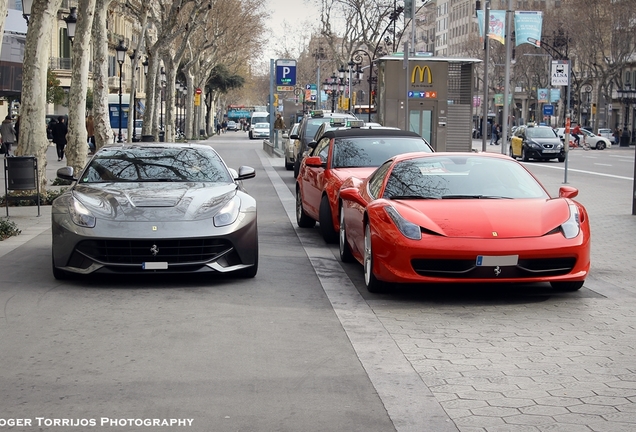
(155,208)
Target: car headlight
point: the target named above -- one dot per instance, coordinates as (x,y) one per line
(572,226)
(228,214)
(80,215)
(408,229)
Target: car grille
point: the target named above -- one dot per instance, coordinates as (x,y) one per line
(466,269)
(135,252)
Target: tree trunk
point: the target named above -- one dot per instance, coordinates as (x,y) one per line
(103,131)
(33,141)
(77,137)
(4,6)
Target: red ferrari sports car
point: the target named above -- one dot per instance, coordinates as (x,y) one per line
(462,217)
(338,155)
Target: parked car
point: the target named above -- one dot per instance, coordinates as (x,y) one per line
(462,217)
(154,208)
(260,130)
(536,142)
(594,141)
(340,154)
(289,146)
(307,131)
(606,133)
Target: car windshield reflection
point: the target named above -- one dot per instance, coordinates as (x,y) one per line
(156,165)
(461,178)
(373,151)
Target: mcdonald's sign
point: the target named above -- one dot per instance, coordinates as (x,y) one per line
(424,71)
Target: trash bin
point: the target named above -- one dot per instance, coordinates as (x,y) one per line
(162,136)
(147,138)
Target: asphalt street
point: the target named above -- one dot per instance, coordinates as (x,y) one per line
(304,347)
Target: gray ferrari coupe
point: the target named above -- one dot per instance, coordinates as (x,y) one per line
(155,208)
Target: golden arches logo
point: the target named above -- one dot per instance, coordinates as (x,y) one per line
(422,72)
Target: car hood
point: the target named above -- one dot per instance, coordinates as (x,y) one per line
(486,218)
(154,201)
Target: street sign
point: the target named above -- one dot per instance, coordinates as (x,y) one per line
(282,88)
(197,91)
(548,110)
(286,73)
(560,72)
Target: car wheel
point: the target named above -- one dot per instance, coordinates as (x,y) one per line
(345,250)
(302,219)
(511,153)
(373,284)
(600,145)
(326,221)
(567,286)
(288,165)
(296,168)
(561,158)
(524,155)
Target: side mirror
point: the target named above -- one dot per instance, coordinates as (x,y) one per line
(246,172)
(568,192)
(314,161)
(312,144)
(66,173)
(293,136)
(351,194)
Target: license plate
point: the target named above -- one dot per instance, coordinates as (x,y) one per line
(493,261)
(550,151)
(154,265)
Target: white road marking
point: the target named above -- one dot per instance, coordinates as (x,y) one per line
(584,172)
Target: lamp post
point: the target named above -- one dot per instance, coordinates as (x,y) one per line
(133,98)
(121,56)
(26,9)
(71,24)
(161,99)
(356,57)
(179,87)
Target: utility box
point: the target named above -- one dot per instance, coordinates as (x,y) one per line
(432,96)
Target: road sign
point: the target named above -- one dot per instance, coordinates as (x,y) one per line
(548,110)
(197,91)
(560,72)
(286,73)
(282,88)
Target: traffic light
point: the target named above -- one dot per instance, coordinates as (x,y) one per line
(275,99)
(593,109)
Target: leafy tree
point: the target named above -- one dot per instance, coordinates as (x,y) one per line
(54,92)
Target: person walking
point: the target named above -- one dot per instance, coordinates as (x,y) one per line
(7,131)
(59,131)
(279,123)
(90,131)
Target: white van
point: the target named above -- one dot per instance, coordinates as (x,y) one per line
(257,117)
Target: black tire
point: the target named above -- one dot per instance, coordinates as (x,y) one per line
(288,165)
(296,168)
(561,158)
(326,221)
(567,286)
(373,284)
(524,155)
(345,251)
(600,145)
(512,154)
(302,219)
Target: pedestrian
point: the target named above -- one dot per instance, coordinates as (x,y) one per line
(497,133)
(224,126)
(279,123)
(616,135)
(7,131)
(90,131)
(218,128)
(59,131)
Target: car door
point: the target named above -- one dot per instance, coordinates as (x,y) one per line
(516,143)
(313,179)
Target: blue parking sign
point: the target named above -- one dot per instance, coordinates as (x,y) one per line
(285,72)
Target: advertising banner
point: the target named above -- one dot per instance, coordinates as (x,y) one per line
(528,27)
(555,95)
(542,95)
(497,26)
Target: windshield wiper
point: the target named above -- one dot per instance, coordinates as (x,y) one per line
(405,197)
(473,197)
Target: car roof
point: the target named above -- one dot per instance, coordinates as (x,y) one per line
(415,155)
(358,132)
(129,146)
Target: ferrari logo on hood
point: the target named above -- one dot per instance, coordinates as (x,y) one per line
(494,234)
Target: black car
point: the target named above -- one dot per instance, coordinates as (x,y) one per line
(536,142)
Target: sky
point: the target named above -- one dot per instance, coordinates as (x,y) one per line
(289,19)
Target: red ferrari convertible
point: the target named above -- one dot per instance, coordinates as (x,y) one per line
(338,155)
(462,217)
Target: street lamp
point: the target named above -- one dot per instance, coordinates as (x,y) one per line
(121,56)
(26,9)
(145,65)
(161,98)
(133,97)
(71,23)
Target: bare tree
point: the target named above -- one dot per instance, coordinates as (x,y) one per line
(103,131)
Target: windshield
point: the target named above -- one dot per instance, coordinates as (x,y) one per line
(373,151)
(171,164)
(540,133)
(261,126)
(450,177)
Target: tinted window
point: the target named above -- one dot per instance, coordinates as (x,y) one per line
(377,178)
(373,151)
(156,164)
(540,133)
